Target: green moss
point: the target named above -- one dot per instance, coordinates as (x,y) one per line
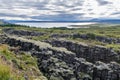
(82,75)
(45,37)
(116,47)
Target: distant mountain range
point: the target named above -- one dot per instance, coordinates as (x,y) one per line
(112,21)
(109,21)
(3,22)
(116,21)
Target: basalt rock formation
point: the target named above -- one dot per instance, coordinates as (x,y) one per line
(87,37)
(66,60)
(91,54)
(98,38)
(60,35)
(22,32)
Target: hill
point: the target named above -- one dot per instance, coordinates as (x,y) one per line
(3,22)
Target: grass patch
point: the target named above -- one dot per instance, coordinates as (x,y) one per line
(4,72)
(116,47)
(17,66)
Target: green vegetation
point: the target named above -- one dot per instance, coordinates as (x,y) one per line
(18,67)
(112,31)
(96,30)
(4,72)
(114,46)
(45,37)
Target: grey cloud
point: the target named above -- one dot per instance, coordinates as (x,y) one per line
(58,17)
(103,2)
(68,6)
(65,4)
(116,13)
(13,15)
(90,9)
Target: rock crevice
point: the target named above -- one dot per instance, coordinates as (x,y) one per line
(73,62)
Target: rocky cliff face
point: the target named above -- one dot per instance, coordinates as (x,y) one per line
(98,38)
(88,36)
(91,54)
(67,60)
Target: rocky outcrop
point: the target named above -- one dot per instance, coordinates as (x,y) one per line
(11,31)
(96,37)
(2,38)
(60,35)
(91,54)
(57,63)
(87,37)
(104,39)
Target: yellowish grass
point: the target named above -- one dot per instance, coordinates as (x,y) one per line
(3,47)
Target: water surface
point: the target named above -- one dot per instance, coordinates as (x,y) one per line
(56,24)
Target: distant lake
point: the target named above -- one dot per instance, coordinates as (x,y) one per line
(56,24)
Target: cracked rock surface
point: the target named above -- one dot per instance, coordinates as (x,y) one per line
(67,60)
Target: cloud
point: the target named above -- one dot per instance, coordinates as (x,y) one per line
(59,9)
(103,2)
(59,17)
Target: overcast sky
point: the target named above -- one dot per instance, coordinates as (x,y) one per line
(59,9)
